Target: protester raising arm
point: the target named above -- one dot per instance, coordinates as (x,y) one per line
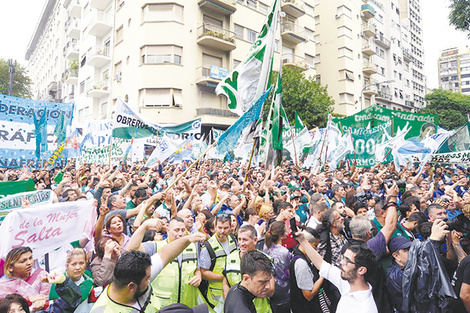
(136,240)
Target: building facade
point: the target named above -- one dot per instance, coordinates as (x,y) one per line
(163,58)
(368,52)
(454,70)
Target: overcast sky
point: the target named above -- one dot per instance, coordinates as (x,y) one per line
(18,19)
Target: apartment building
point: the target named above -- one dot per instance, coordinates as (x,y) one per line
(454,70)
(163,58)
(364,54)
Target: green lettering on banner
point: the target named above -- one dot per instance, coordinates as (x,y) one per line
(101,155)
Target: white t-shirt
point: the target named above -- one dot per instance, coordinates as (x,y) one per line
(157,266)
(350,302)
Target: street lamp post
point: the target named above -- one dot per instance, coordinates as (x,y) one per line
(12,66)
(376,84)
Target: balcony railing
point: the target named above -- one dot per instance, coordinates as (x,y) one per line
(293,8)
(216,32)
(225,7)
(216,37)
(367,11)
(293,33)
(384,95)
(368,28)
(292,60)
(381,40)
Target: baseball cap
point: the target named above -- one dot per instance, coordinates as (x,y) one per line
(181,308)
(398,243)
(294,197)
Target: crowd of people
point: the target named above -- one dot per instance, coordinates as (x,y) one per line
(222,237)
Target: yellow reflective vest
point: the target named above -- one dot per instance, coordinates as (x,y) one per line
(171,284)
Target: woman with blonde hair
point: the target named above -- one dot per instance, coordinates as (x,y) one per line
(71,290)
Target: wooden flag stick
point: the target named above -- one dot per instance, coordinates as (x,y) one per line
(249,163)
(190,167)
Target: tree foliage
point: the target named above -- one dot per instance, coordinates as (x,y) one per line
(459,15)
(306,96)
(21,81)
(451,107)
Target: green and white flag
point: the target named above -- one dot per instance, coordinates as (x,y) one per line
(303,140)
(247,82)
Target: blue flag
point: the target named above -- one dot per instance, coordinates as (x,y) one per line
(230,137)
(40,132)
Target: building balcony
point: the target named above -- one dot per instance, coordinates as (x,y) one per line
(72,28)
(99,57)
(292,33)
(73,8)
(71,76)
(97,89)
(71,50)
(294,61)
(101,24)
(52,88)
(368,49)
(407,56)
(215,112)
(368,29)
(100,4)
(293,7)
(409,103)
(370,90)
(382,41)
(216,37)
(369,68)
(210,75)
(367,11)
(384,95)
(224,7)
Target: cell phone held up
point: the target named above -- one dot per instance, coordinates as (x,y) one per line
(293,226)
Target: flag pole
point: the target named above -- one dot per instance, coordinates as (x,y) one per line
(190,167)
(251,158)
(110,150)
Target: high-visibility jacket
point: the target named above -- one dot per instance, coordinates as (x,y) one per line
(171,284)
(104,304)
(215,290)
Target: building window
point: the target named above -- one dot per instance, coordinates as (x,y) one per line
(309,59)
(239,30)
(208,60)
(161,54)
(263,8)
(165,12)
(251,35)
(308,9)
(344,31)
(119,34)
(309,34)
(343,10)
(236,63)
(82,87)
(317,19)
(160,97)
(251,3)
(345,52)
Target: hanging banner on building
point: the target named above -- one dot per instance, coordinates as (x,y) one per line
(13,202)
(46,227)
(29,129)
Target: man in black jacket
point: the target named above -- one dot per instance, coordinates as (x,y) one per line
(257,272)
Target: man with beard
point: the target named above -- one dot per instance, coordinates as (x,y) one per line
(130,291)
(356,292)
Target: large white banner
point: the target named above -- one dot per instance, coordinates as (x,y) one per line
(47,227)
